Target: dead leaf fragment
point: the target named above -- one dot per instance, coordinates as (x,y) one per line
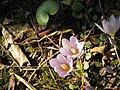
(14,50)
(11,82)
(99,49)
(25,82)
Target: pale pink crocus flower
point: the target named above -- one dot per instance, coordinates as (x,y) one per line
(110,27)
(62,65)
(72,48)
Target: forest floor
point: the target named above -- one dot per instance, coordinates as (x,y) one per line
(37,44)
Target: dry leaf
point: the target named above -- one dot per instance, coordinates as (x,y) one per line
(15,50)
(98,49)
(111,82)
(25,82)
(0,74)
(12,83)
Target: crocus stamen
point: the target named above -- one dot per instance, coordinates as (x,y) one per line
(74,51)
(72,48)
(112,34)
(65,67)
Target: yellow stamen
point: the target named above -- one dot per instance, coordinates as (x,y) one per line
(65,67)
(112,34)
(73,51)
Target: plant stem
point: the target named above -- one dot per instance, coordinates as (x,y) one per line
(81,67)
(115,47)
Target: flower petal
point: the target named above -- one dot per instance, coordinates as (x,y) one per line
(112,20)
(80,53)
(65,43)
(106,26)
(73,41)
(80,45)
(88,87)
(64,51)
(61,59)
(117,24)
(54,62)
(58,69)
(63,74)
(69,60)
(100,27)
(112,23)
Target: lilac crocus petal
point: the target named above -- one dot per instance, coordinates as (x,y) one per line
(70,62)
(80,46)
(88,88)
(63,74)
(58,69)
(100,27)
(117,24)
(62,65)
(53,62)
(80,53)
(61,58)
(64,51)
(73,42)
(71,48)
(111,26)
(106,26)
(65,43)
(73,39)
(112,22)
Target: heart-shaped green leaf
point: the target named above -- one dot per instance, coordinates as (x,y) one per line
(49,7)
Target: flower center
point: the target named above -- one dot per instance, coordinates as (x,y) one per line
(112,34)
(73,50)
(65,67)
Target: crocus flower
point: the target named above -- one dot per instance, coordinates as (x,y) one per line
(62,65)
(72,48)
(110,26)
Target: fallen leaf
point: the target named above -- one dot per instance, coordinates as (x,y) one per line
(99,49)
(15,50)
(11,82)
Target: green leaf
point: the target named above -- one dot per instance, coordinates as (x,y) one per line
(86,65)
(77,6)
(67,2)
(88,56)
(47,7)
(94,17)
(78,65)
(86,74)
(103,37)
(72,86)
(88,44)
(97,64)
(78,73)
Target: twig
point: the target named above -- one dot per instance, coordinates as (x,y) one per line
(101,7)
(29,79)
(117,54)
(81,68)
